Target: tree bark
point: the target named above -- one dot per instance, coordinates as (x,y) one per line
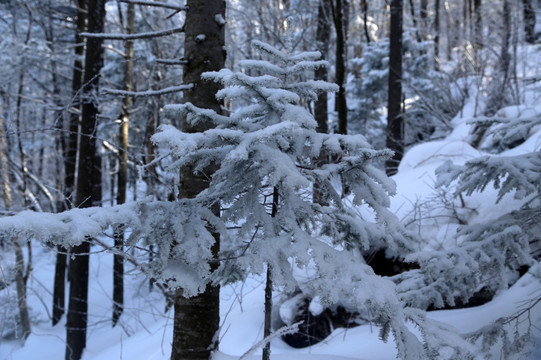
(395,126)
(118,261)
(88,184)
(68,148)
(529,21)
(197,319)
(323,36)
(321,111)
(364,6)
(437,28)
(338,8)
(267,328)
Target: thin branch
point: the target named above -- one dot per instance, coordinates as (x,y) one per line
(134,262)
(163,91)
(172,61)
(156,4)
(145,35)
(282,331)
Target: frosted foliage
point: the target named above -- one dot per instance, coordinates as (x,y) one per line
(268,146)
(489,253)
(171,227)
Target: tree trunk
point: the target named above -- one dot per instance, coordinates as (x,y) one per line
(437,28)
(529,21)
(88,184)
(338,8)
(364,6)
(67,146)
(395,126)
(477,25)
(197,319)
(323,35)
(267,329)
(321,112)
(118,262)
(21,288)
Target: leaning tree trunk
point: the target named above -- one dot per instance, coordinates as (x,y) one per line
(395,126)
(88,185)
(197,319)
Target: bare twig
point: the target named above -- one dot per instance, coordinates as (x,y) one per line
(282,331)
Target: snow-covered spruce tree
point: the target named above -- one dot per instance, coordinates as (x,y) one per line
(264,153)
(490,254)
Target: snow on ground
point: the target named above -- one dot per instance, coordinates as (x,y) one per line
(145,331)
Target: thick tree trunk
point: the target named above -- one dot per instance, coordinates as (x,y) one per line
(88,184)
(395,126)
(197,319)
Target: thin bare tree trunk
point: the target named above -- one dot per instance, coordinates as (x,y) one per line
(437,28)
(118,262)
(267,329)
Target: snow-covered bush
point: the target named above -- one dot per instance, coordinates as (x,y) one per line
(492,254)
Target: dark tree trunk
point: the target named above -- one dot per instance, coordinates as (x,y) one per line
(268,314)
(118,261)
(395,126)
(529,21)
(267,329)
(69,154)
(364,6)
(338,9)
(437,28)
(323,35)
(197,319)
(88,184)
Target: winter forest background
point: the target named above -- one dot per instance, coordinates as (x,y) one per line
(287,179)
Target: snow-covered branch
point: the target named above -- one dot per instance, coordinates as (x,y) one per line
(138,36)
(163,91)
(156,4)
